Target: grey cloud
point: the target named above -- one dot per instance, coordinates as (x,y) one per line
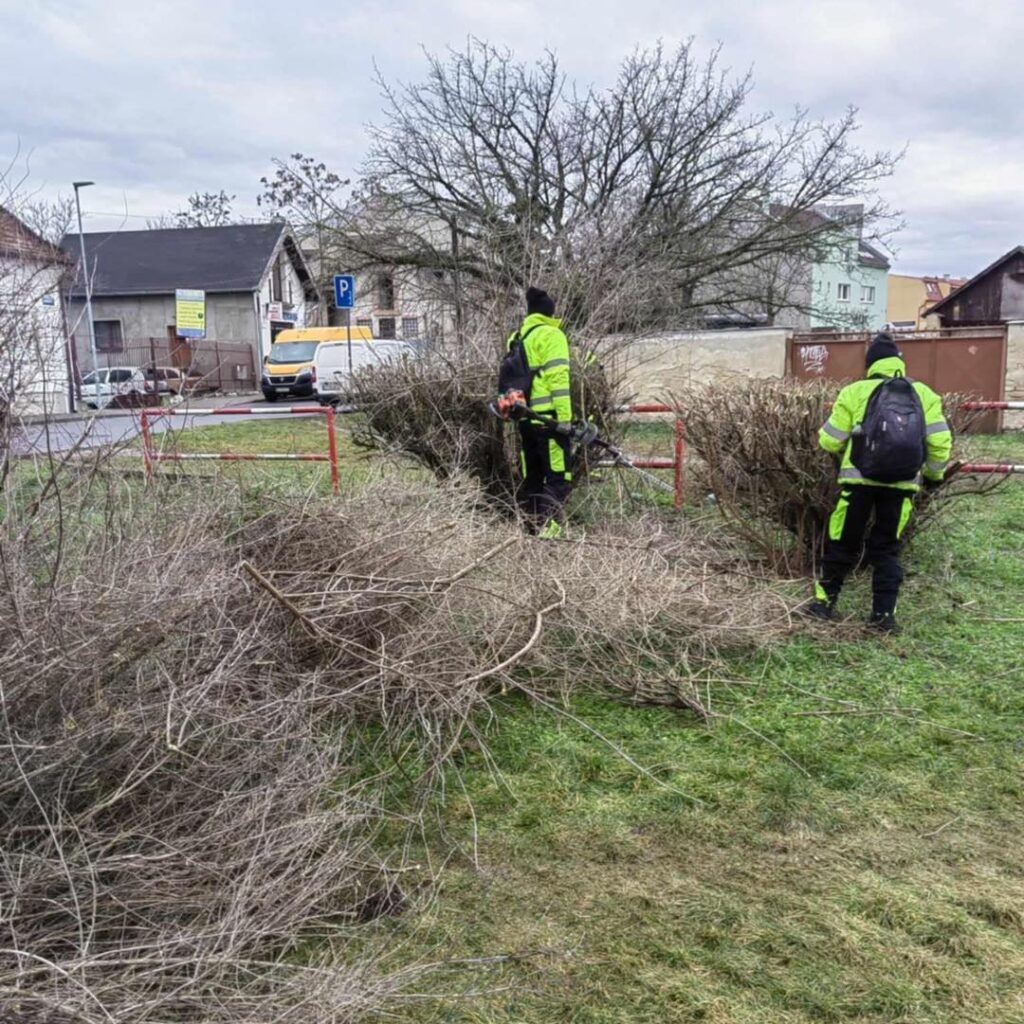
(156,100)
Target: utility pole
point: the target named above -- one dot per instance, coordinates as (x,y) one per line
(76,185)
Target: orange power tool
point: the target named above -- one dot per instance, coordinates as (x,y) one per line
(510,406)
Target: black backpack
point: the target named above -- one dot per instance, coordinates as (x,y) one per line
(889,445)
(514,372)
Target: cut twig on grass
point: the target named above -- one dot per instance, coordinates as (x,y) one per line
(942,828)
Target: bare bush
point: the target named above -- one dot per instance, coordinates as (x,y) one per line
(757,442)
(435,411)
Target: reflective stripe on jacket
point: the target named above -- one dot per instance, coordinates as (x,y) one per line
(547,353)
(850,409)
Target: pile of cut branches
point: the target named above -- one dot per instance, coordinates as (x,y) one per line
(199,735)
(757,442)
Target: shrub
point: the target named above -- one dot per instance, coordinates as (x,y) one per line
(757,442)
(434,410)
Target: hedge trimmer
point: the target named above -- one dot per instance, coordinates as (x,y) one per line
(513,406)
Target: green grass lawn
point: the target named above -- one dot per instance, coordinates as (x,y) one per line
(844,844)
(284,435)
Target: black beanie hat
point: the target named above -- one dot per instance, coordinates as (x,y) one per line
(538,301)
(882,347)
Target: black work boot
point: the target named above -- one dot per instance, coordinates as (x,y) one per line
(820,610)
(883,622)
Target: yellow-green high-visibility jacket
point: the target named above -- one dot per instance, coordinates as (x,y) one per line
(849,410)
(547,353)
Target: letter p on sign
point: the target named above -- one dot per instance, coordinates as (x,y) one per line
(344,291)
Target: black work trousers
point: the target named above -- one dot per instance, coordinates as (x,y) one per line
(887,510)
(547,480)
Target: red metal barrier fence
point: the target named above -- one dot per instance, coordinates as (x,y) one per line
(150,455)
(678,460)
(992,467)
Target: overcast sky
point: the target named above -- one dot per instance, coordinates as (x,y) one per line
(154,99)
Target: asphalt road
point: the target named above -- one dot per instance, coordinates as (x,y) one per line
(108,430)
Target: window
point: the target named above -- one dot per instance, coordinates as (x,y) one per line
(867,293)
(386,292)
(410,327)
(109,337)
(120,376)
(843,292)
(275,281)
(365,321)
(387,326)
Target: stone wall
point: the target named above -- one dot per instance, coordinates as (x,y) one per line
(1014,373)
(654,367)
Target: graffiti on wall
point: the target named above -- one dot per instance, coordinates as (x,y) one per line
(813,358)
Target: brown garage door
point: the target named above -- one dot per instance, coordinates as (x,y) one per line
(967,360)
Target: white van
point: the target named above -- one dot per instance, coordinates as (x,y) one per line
(331,376)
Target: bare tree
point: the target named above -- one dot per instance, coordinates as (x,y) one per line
(50,220)
(34,368)
(650,203)
(206,210)
(307,194)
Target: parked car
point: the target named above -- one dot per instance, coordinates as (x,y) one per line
(331,374)
(115,385)
(156,380)
(288,369)
(176,381)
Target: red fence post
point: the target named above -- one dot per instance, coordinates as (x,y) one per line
(332,447)
(680,456)
(147,459)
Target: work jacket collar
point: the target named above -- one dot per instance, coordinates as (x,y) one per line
(891,366)
(540,320)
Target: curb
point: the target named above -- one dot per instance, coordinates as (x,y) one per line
(81,417)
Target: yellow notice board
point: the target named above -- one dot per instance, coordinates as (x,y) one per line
(190,312)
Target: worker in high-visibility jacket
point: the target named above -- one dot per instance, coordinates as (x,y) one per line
(545,457)
(860,500)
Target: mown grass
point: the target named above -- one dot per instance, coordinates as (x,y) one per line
(284,435)
(843,844)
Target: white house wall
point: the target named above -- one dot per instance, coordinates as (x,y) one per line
(33,348)
(654,367)
(416,297)
(293,298)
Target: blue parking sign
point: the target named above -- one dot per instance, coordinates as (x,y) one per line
(344,291)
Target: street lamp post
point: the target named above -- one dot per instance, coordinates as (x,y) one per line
(76,185)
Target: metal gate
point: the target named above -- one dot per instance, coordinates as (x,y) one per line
(963,360)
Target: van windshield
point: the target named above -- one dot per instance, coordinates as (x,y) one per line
(90,378)
(292,351)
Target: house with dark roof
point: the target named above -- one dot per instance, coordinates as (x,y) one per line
(846,286)
(994,296)
(254,278)
(34,359)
